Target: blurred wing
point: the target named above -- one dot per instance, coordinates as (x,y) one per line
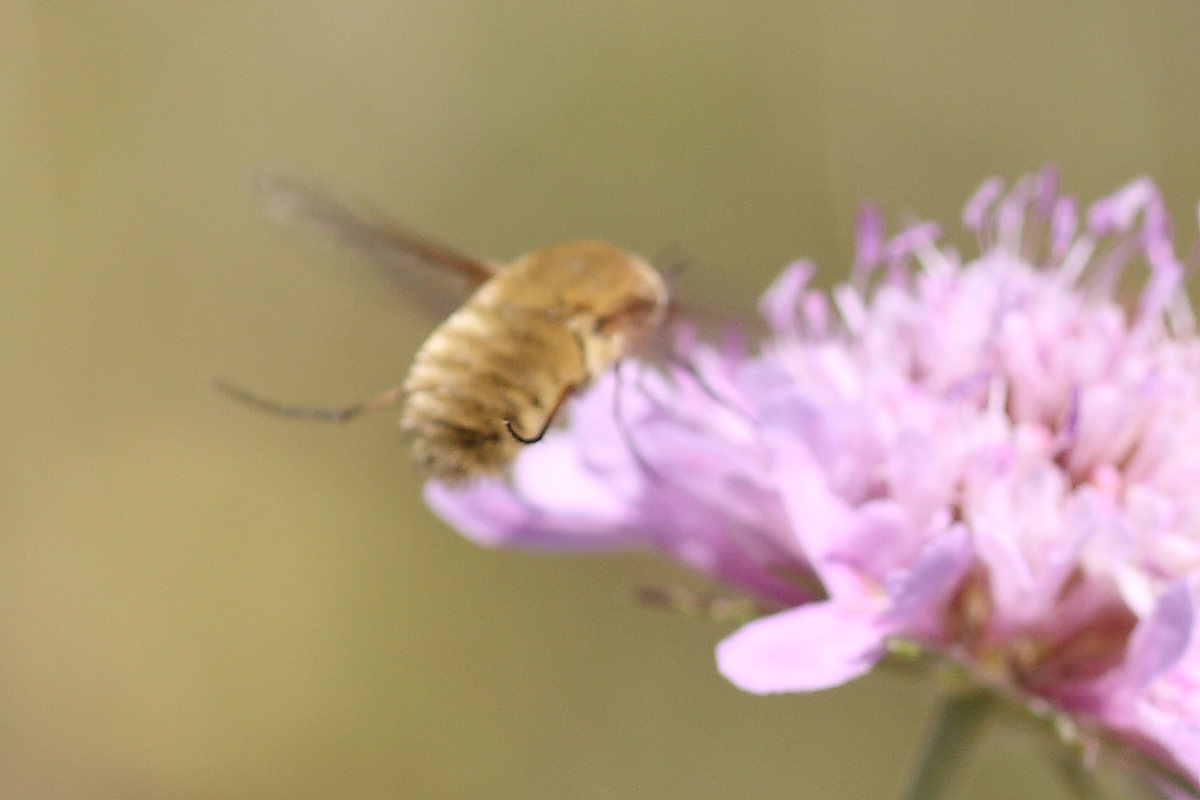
(436,275)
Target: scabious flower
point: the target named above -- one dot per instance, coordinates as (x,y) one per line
(997,461)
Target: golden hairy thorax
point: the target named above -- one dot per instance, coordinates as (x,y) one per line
(492,376)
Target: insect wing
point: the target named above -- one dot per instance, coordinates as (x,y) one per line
(438,276)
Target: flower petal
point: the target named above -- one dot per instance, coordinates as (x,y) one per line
(920,593)
(779,302)
(815,646)
(1161,640)
(491,515)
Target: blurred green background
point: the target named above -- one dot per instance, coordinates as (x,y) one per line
(197,601)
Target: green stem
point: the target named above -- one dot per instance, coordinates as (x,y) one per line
(956,728)
(1076,777)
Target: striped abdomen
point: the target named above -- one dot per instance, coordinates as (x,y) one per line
(486,367)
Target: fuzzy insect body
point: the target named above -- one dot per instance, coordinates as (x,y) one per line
(492,377)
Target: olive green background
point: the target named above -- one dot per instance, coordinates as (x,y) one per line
(197,601)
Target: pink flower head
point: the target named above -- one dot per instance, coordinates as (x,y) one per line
(998,460)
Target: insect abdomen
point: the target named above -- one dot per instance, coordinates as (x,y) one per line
(483,369)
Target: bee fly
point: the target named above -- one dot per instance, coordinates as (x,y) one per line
(493,375)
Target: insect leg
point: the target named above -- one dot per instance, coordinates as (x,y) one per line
(706,605)
(344,414)
(623,425)
(562,398)
(705,386)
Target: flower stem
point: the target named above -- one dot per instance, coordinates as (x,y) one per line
(957,726)
(1078,780)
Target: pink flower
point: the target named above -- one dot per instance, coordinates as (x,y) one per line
(997,460)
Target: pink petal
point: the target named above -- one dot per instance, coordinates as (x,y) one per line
(976,210)
(778,304)
(1162,639)
(868,241)
(920,593)
(490,514)
(815,646)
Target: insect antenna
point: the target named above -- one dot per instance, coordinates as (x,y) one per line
(672,261)
(343,414)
